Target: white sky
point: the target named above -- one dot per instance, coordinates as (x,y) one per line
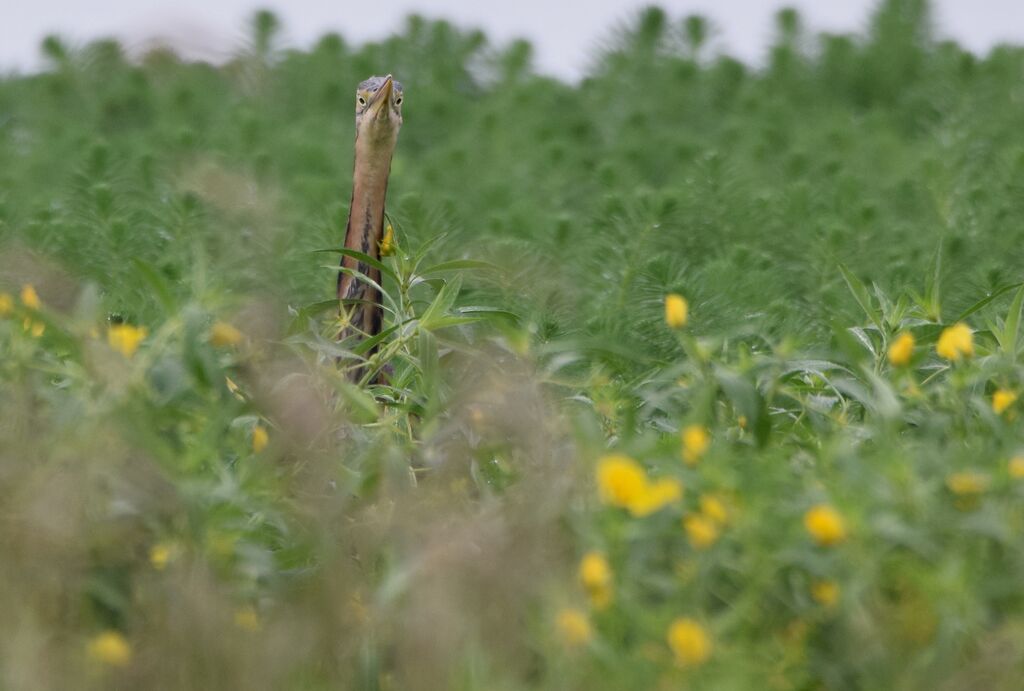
(564,32)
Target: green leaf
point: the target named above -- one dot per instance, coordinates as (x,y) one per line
(861,295)
(366,345)
(361,257)
(444,321)
(748,401)
(1011,329)
(435,283)
(421,252)
(980,304)
(855,346)
(161,288)
(301,321)
(359,276)
(442,303)
(359,404)
(933,288)
(487,312)
(458,265)
(429,364)
(595,346)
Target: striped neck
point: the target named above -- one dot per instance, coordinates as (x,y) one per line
(369,189)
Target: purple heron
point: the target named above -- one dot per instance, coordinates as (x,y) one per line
(378,119)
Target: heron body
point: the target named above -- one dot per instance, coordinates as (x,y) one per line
(378,120)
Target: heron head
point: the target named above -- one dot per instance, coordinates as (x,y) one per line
(379,108)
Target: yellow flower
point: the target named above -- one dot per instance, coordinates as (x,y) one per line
(1016,467)
(30,298)
(901,350)
(160,556)
(701,531)
(596,578)
(110,648)
(260,438)
(825,592)
(955,342)
(967,483)
(34,327)
(247,619)
(655,496)
(573,627)
(125,338)
(6,304)
(163,553)
(713,507)
(676,310)
(696,441)
(223,335)
(387,243)
(689,642)
(1002,399)
(825,525)
(620,480)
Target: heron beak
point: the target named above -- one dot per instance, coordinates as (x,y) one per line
(380,106)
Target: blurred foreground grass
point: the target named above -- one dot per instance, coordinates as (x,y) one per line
(704,377)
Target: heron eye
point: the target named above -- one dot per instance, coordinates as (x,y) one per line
(398,101)
(362,101)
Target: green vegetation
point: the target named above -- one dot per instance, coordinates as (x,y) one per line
(806,474)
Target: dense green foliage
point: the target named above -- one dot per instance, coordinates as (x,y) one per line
(427,533)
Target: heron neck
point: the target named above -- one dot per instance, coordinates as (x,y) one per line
(369,189)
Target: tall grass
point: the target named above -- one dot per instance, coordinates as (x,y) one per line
(552,488)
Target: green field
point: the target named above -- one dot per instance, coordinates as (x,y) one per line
(815,480)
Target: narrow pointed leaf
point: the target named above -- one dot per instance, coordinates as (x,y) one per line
(361,257)
(861,295)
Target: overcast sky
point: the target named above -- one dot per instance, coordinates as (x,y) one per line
(564,32)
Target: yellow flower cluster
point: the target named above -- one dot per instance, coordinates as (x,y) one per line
(125,338)
(596,578)
(689,642)
(955,342)
(248,619)
(825,525)
(1002,399)
(110,648)
(163,553)
(620,480)
(696,442)
(901,350)
(714,508)
(6,304)
(825,593)
(573,627)
(704,528)
(676,311)
(260,438)
(1016,467)
(30,299)
(966,484)
(701,531)
(623,482)
(224,335)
